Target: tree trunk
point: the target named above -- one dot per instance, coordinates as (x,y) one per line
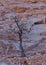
(21,47)
(20,37)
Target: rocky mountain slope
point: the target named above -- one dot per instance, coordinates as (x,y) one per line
(32,13)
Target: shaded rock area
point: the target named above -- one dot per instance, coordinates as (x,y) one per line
(32,13)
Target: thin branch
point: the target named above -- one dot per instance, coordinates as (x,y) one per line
(20,36)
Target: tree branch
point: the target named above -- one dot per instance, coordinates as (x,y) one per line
(20,36)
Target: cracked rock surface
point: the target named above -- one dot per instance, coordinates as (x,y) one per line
(32,13)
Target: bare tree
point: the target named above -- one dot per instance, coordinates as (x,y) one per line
(20,27)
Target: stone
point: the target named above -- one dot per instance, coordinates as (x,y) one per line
(32,15)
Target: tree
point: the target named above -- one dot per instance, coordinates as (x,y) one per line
(20,27)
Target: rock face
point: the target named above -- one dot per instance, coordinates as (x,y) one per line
(32,13)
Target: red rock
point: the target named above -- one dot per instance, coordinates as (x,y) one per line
(32,13)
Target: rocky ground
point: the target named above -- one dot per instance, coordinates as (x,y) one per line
(32,13)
